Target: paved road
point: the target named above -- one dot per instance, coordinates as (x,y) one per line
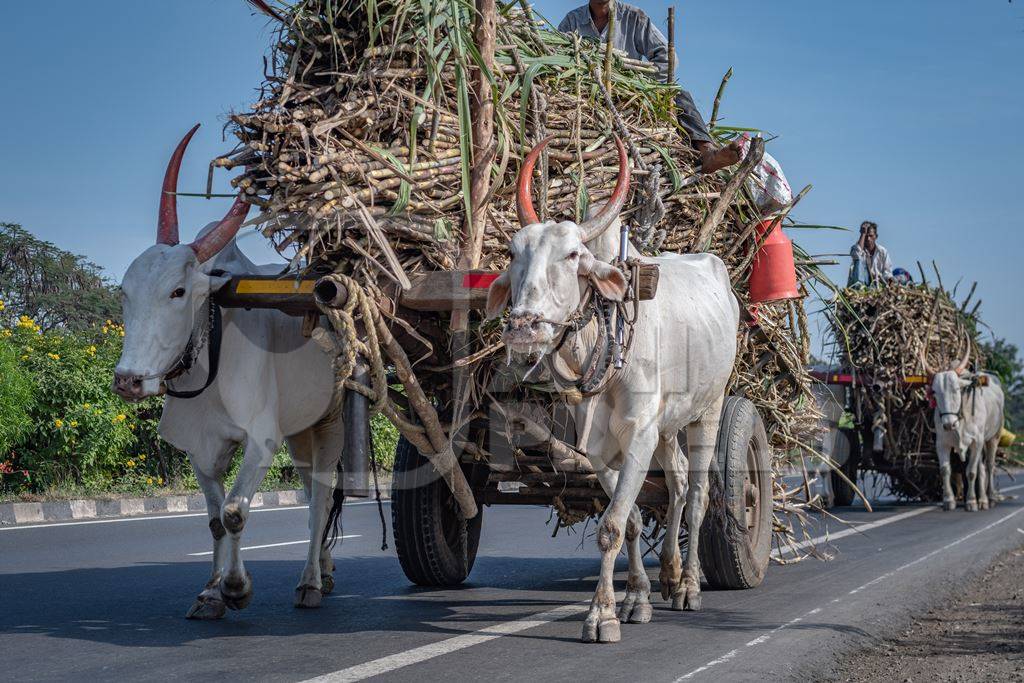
(105,600)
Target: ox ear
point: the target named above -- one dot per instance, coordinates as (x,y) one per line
(608,279)
(497,295)
(211,280)
(965,381)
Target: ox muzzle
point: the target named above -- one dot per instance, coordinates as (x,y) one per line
(134,388)
(527,332)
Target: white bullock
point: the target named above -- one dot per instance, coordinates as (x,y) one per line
(682,355)
(273,384)
(968,419)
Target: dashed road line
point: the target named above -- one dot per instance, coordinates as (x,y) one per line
(732,654)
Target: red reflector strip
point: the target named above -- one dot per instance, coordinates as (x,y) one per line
(479,280)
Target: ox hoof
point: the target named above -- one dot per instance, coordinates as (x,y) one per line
(971,506)
(237,591)
(688,600)
(232,518)
(307,597)
(983,505)
(206,609)
(948,505)
(606,631)
(636,613)
(326,584)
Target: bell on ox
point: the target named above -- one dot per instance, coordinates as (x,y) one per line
(773,273)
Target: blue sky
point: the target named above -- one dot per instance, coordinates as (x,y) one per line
(905,112)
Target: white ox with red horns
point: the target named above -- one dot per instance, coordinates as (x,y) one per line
(273,384)
(968,419)
(675,378)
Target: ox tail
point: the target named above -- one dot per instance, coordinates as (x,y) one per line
(333,528)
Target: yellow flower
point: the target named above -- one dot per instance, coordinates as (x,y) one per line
(119,418)
(24,357)
(6,333)
(2,305)
(121,332)
(74,423)
(132,427)
(104,329)
(109,323)
(87,405)
(58,423)
(130,463)
(149,481)
(91,350)
(160,481)
(54,356)
(142,457)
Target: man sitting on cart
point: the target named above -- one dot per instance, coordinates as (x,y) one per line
(871,264)
(637,36)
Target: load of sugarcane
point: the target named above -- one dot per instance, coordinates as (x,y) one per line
(380,121)
(893,336)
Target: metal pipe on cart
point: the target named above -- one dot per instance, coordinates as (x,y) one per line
(356,458)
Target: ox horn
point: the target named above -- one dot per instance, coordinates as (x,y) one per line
(167,224)
(207,246)
(965,361)
(595,227)
(524,185)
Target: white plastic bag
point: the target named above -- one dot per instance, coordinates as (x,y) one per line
(767,183)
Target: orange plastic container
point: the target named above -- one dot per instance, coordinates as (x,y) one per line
(773,273)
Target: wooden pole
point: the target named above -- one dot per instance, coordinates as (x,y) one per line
(484,147)
(670,77)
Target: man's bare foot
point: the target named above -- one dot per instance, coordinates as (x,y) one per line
(716,158)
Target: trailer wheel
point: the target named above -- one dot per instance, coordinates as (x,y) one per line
(846,444)
(735,540)
(435,546)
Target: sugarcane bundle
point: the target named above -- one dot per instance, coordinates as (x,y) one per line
(359,154)
(891,333)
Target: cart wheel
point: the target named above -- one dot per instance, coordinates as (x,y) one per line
(435,546)
(735,541)
(846,444)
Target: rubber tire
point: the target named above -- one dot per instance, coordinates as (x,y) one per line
(842,493)
(422,517)
(734,557)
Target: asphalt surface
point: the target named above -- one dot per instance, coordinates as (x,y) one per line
(106,600)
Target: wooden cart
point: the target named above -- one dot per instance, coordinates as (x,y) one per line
(436,545)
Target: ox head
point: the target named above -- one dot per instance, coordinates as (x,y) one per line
(165,290)
(551,266)
(947,388)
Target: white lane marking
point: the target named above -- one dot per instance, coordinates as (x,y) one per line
(860,528)
(143,518)
(766,636)
(1012,488)
(274,545)
(416,655)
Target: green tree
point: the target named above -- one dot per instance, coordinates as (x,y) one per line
(56,288)
(1001,358)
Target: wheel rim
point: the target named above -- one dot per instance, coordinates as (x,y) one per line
(752,480)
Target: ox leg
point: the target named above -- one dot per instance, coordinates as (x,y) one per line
(316,580)
(602,622)
(971,503)
(948,498)
(209,472)
(700,442)
(636,605)
(236,583)
(673,463)
(983,480)
(991,446)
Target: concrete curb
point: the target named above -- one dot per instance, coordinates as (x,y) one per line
(84,509)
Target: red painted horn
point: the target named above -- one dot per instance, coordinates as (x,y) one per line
(593,228)
(524,185)
(207,246)
(167,223)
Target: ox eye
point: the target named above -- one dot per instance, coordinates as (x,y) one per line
(573,255)
(178,293)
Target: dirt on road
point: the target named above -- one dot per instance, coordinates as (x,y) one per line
(978,636)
